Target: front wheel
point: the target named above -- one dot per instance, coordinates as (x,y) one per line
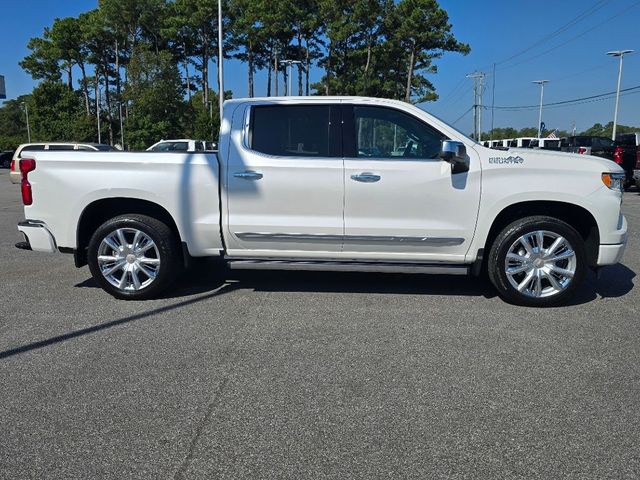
(133,257)
(537,261)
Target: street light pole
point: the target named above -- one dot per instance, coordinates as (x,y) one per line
(220,61)
(98,112)
(541,83)
(621,54)
(26,112)
(290,64)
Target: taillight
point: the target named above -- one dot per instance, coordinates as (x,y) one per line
(26,165)
(13,165)
(617,155)
(582,150)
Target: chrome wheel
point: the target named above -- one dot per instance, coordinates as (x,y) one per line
(128,259)
(540,264)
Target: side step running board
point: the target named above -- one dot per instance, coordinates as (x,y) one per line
(332,266)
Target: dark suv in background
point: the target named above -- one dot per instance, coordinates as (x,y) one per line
(5,159)
(602,147)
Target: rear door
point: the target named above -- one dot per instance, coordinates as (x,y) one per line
(284,181)
(401,200)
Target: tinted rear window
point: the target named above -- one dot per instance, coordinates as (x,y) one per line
(628,140)
(582,141)
(31,148)
(104,148)
(171,147)
(291,130)
(64,148)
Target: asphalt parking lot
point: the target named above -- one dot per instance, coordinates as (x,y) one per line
(300,375)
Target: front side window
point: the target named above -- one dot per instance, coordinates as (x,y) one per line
(291,130)
(388,133)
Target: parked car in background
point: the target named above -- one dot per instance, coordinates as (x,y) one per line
(5,159)
(15,176)
(602,147)
(589,145)
(628,148)
(183,145)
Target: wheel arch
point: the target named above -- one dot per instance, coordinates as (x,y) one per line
(99,211)
(575,215)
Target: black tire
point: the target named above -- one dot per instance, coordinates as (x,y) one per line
(496,264)
(168,253)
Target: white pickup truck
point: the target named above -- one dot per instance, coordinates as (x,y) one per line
(331,183)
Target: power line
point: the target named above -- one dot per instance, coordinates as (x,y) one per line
(568,102)
(581,34)
(462,116)
(454,90)
(591,10)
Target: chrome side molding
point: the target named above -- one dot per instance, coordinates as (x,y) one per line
(357,239)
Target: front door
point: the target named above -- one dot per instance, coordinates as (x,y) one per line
(284,182)
(402,202)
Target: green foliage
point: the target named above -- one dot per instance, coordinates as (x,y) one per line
(139,54)
(383,48)
(42,62)
(607,130)
(154,91)
(56,114)
(13,125)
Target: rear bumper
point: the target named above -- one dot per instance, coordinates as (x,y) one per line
(37,236)
(15,177)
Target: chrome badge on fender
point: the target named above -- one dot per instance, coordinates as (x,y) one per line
(507,160)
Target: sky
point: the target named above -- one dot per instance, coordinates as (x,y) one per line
(564,42)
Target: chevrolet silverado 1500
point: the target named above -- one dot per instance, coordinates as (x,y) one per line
(330,183)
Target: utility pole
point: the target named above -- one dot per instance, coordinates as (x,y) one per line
(621,54)
(119,96)
(276,68)
(493,100)
(220,62)
(478,87)
(541,83)
(26,112)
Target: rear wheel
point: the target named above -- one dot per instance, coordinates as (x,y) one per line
(537,261)
(133,257)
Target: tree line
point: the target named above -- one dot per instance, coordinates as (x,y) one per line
(142,67)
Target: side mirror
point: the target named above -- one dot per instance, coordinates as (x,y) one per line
(455,153)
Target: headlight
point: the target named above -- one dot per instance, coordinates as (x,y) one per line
(615,181)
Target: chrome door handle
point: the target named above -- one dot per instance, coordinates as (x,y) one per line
(248,175)
(365,177)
